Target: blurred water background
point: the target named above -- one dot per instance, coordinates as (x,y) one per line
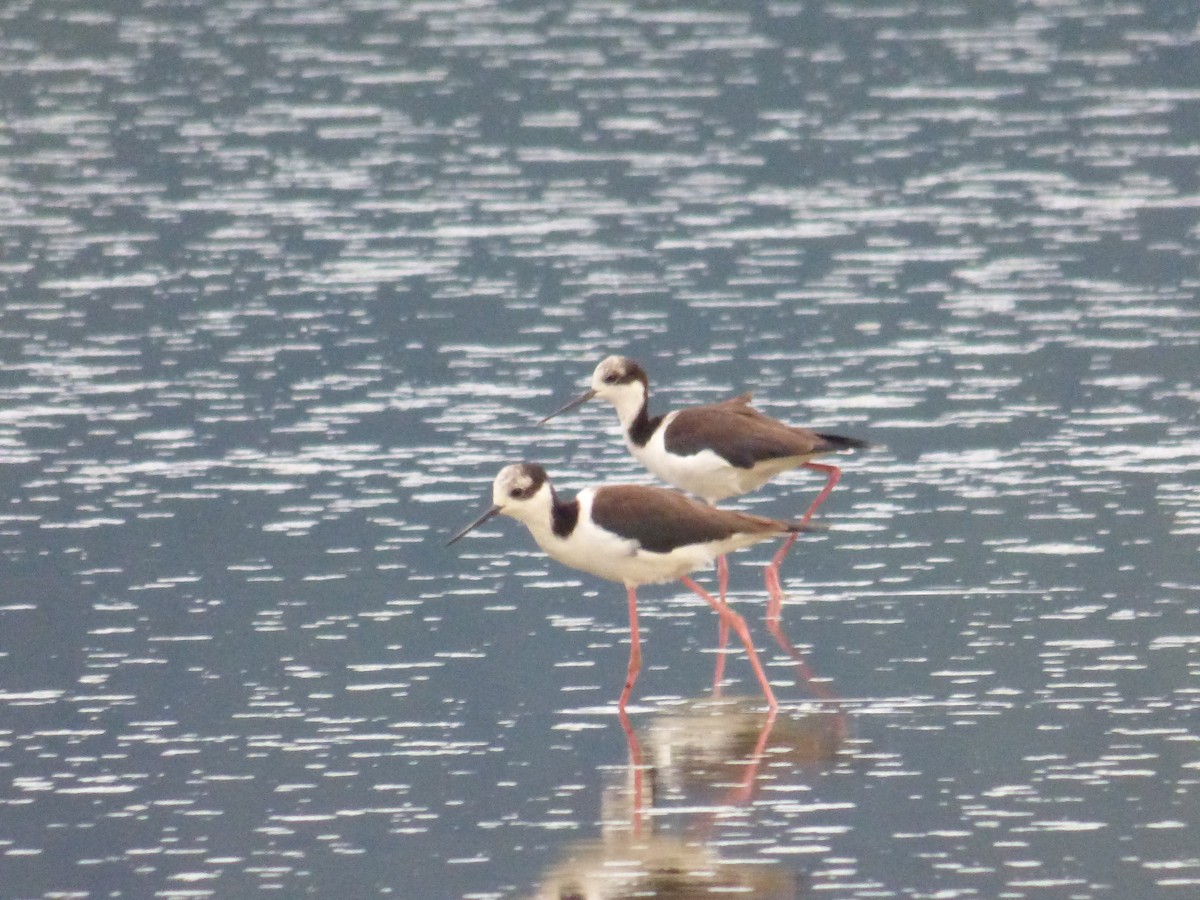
(285,284)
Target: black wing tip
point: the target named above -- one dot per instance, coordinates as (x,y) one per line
(797,527)
(841,442)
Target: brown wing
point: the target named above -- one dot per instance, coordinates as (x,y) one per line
(661,520)
(740,434)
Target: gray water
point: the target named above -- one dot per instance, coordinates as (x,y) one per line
(284,285)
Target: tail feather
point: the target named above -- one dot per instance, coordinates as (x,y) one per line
(766,525)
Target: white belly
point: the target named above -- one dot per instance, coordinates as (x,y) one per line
(704,474)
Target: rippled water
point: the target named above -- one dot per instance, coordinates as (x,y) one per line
(285,284)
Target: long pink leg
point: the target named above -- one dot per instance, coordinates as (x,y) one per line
(635,650)
(722,626)
(738,624)
(832,475)
(774,589)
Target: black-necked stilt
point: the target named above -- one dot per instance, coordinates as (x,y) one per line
(716,451)
(633,534)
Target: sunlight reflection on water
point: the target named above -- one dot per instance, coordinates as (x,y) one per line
(284,286)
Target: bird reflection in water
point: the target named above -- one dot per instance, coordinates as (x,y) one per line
(707,758)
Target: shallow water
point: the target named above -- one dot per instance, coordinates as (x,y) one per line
(285,285)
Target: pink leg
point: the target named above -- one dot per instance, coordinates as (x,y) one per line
(774,589)
(734,621)
(832,475)
(722,626)
(635,651)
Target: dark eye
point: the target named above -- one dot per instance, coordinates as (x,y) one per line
(611,378)
(515,493)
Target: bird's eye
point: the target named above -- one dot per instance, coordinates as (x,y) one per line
(515,493)
(610,378)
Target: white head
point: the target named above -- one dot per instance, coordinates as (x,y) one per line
(620,381)
(522,491)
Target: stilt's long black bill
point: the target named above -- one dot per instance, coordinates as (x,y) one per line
(495,510)
(578,401)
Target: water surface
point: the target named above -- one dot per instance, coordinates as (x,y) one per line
(285,285)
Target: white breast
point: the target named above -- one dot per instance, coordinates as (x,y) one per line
(704,474)
(596,551)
